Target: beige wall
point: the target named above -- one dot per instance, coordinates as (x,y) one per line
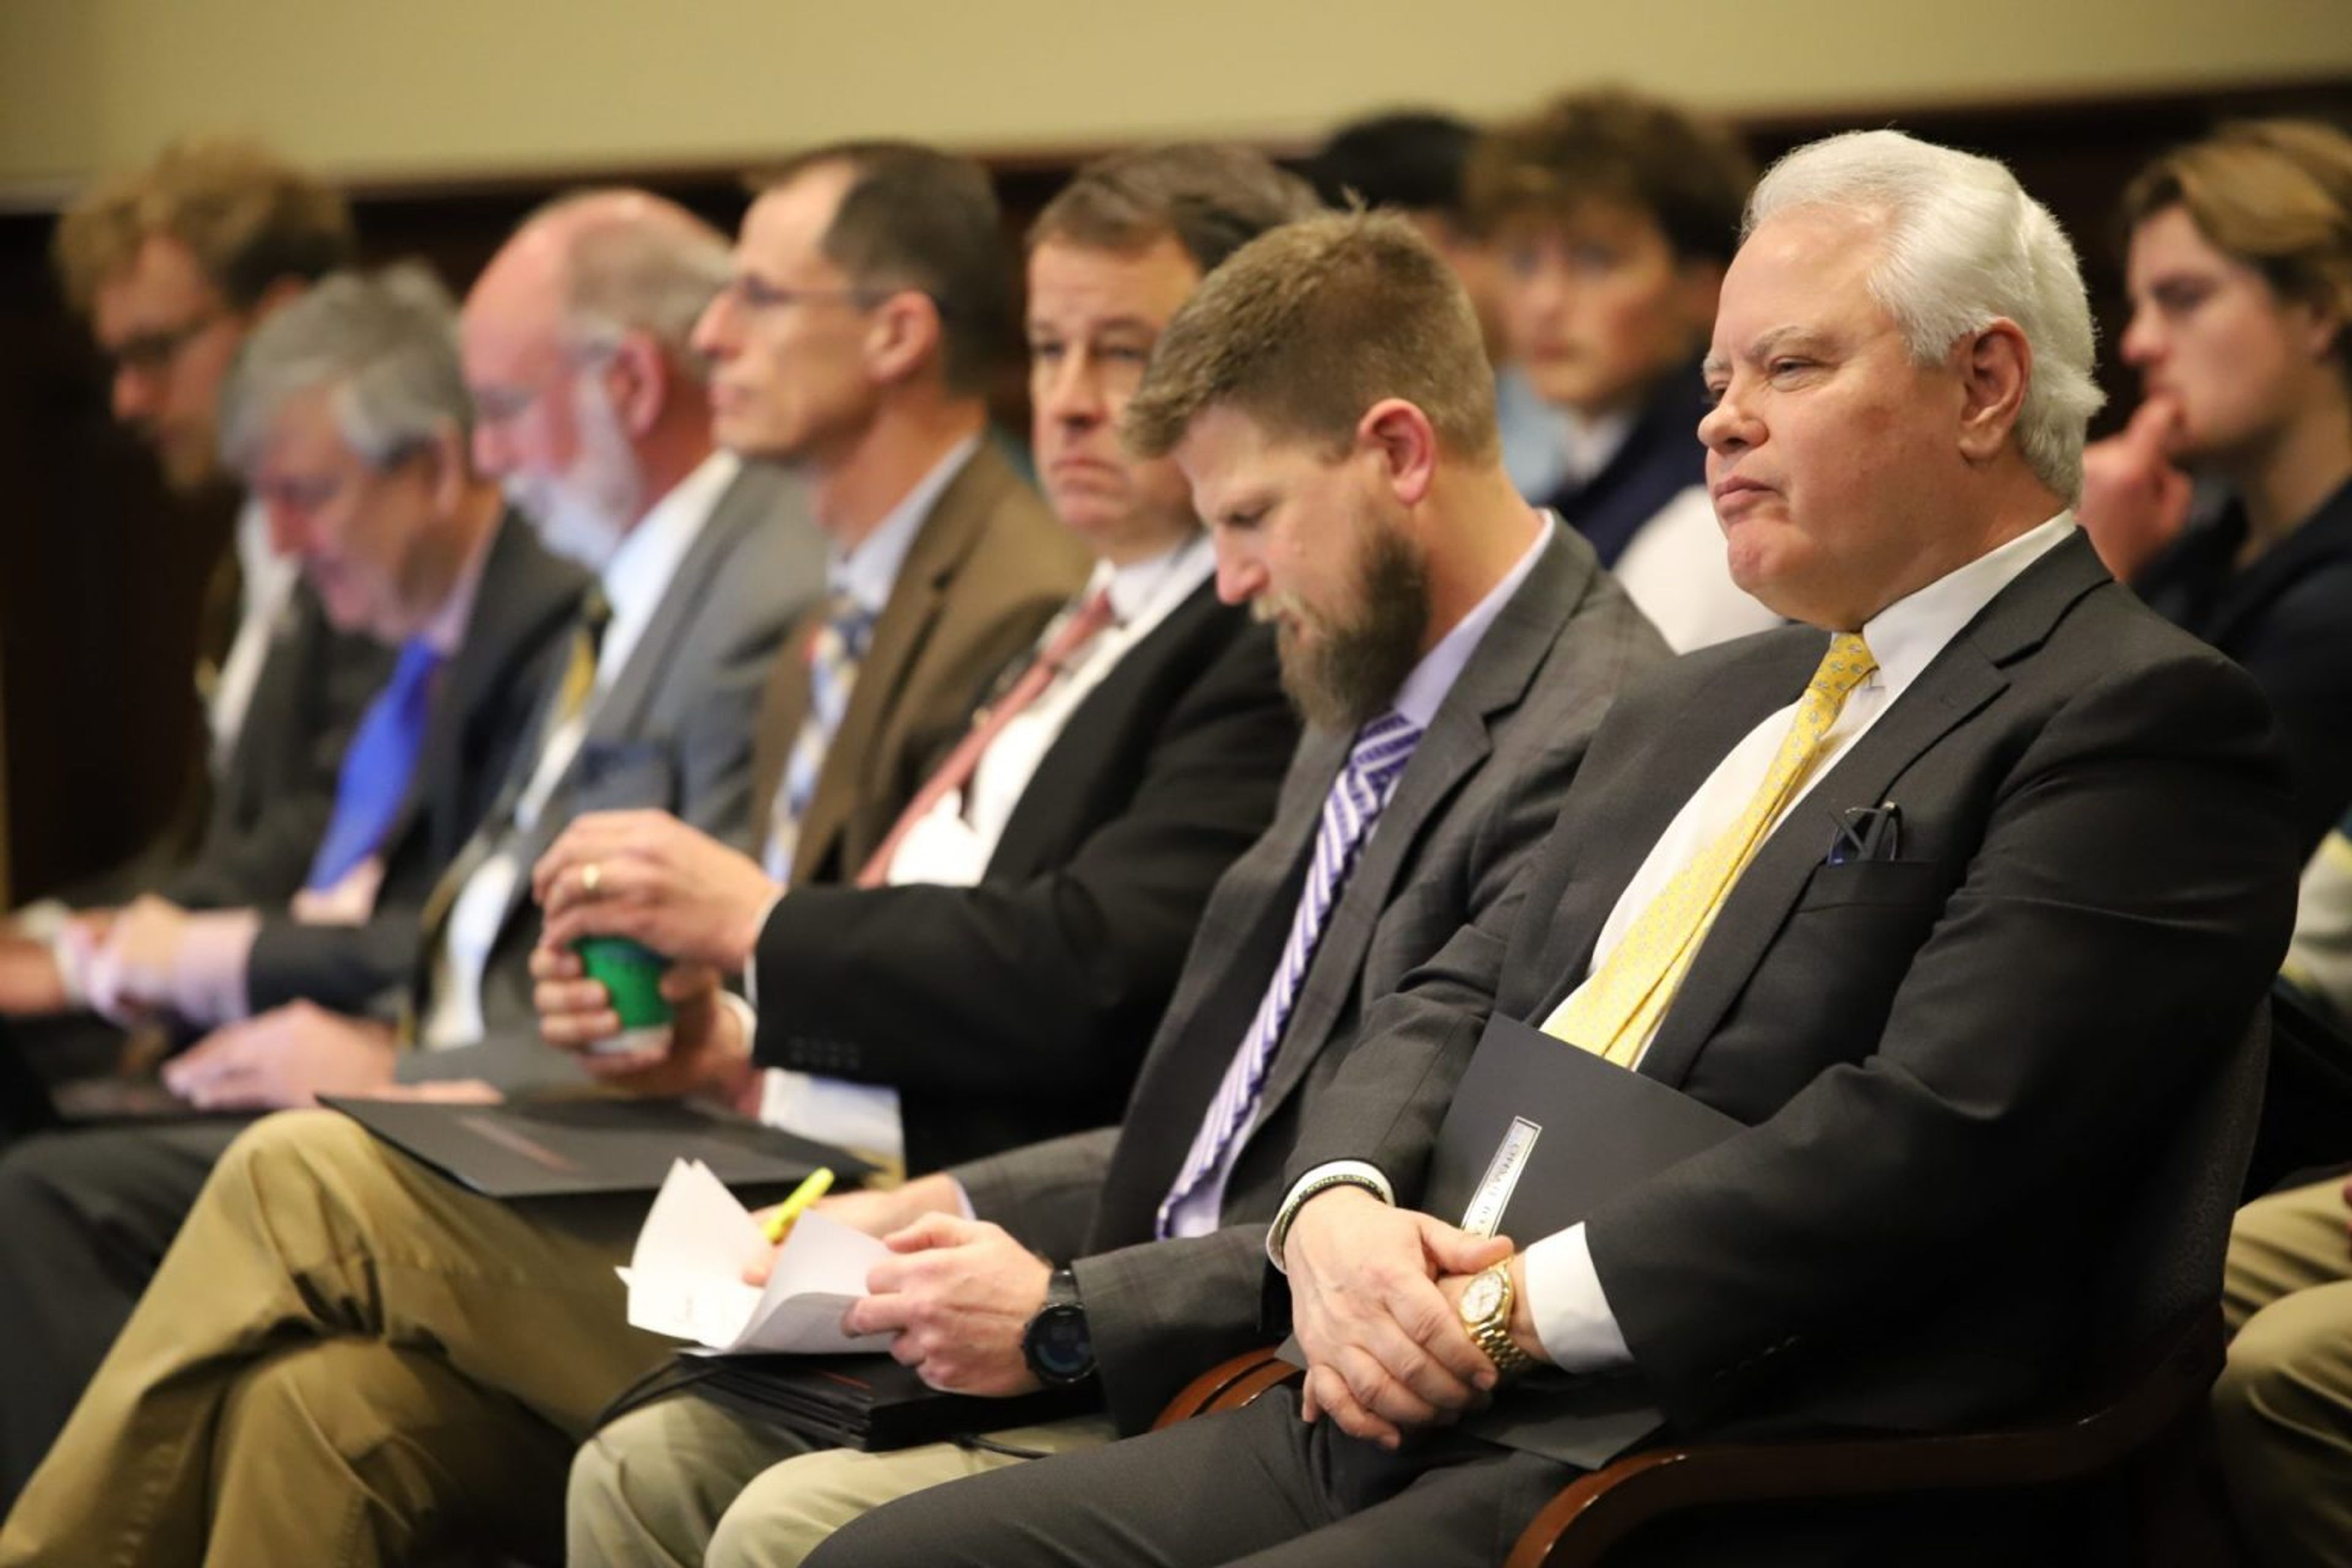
(407,85)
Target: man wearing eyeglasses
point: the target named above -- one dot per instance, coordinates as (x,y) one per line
(173,264)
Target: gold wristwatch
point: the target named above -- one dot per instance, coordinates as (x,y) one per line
(1486,1313)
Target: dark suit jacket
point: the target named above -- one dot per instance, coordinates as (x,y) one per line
(245,831)
(2287,619)
(987,570)
(271,803)
(1016,1008)
(1949,1063)
(1473,805)
(672,733)
(525,603)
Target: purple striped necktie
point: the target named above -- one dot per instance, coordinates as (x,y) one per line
(1358,796)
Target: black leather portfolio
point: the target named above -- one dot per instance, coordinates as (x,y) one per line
(565,1148)
(871,1402)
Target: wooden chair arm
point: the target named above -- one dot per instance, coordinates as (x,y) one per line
(1596,1511)
(1228,1385)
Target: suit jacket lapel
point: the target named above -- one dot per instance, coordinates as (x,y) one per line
(1240,934)
(508,607)
(1961,679)
(1454,746)
(621,712)
(946,537)
(1639,804)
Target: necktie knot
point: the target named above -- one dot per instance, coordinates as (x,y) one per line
(1383,747)
(848,626)
(595,612)
(1847,665)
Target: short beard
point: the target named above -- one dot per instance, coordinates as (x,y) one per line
(583,513)
(1351,677)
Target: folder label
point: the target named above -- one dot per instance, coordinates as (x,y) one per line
(1494,1195)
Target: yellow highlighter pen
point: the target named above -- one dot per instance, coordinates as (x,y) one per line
(780,1223)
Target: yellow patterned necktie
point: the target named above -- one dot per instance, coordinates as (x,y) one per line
(1613,1013)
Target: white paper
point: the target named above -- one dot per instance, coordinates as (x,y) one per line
(686,1277)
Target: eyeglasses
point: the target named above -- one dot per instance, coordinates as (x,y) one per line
(759,294)
(152,353)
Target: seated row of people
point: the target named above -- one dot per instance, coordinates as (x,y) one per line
(1003,929)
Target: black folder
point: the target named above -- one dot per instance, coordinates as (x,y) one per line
(1556,1131)
(567,1148)
(1538,1135)
(871,1402)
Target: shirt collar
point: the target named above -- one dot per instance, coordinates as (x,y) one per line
(1140,586)
(867,573)
(1418,699)
(638,572)
(1908,635)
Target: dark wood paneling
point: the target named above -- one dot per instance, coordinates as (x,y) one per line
(101,574)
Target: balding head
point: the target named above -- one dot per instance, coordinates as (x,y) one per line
(590,401)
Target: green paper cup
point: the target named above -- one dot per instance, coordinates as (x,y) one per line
(631,974)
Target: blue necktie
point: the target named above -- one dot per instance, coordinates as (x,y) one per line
(1358,795)
(377,765)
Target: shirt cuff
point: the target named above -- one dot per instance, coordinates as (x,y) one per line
(1322,1178)
(1570,1311)
(72,956)
(751,963)
(209,972)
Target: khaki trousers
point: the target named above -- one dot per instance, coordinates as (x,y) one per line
(2283,1404)
(686,1483)
(343,1359)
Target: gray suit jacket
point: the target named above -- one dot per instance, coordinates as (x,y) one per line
(672,733)
(1477,798)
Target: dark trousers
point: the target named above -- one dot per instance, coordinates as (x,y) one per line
(85,1217)
(1256,1486)
(1259,1488)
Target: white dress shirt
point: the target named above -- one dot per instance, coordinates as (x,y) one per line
(954,842)
(636,580)
(269,580)
(1570,1313)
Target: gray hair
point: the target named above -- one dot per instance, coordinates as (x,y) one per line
(636,262)
(386,345)
(1963,245)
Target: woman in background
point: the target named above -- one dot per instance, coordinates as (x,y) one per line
(2241,281)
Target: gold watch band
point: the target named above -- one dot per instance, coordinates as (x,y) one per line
(1494,1338)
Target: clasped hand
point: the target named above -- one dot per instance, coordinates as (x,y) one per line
(1373,1299)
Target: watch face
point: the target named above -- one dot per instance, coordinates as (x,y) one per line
(1060,1348)
(1482,1300)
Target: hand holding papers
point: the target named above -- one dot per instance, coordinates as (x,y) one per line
(686,1277)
